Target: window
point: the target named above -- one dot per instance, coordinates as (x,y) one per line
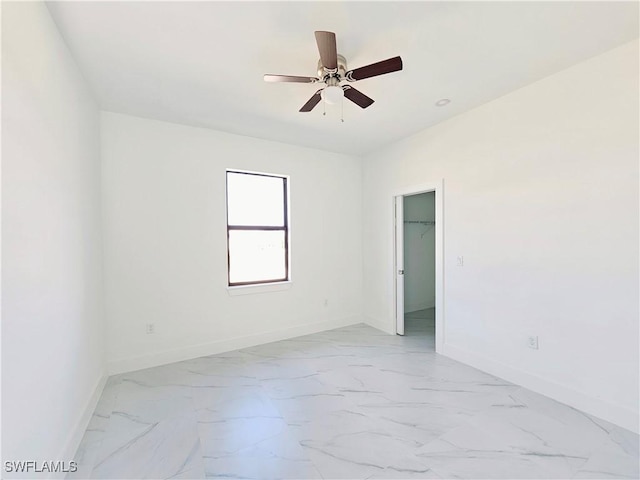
(257,228)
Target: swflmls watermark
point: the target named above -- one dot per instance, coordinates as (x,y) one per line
(32,466)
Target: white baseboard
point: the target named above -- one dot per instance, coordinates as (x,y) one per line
(385,326)
(74,439)
(186,353)
(420,306)
(610,412)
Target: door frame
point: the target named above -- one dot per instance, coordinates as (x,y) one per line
(397,254)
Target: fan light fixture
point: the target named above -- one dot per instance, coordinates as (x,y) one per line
(332,94)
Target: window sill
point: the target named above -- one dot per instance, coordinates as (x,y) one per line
(263,288)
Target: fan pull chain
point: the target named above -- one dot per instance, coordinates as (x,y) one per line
(342,110)
(324,107)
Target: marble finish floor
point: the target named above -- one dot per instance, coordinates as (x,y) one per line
(351,403)
(421,322)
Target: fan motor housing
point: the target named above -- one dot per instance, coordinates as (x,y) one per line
(342,68)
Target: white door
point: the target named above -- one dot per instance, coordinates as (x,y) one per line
(399,265)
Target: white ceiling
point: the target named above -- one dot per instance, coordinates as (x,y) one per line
(201,63)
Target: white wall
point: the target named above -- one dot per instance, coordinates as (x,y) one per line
(165,242)
(419,252)
(52,311)
(541,198)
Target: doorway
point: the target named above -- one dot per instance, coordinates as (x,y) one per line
(418,248)
(420,265)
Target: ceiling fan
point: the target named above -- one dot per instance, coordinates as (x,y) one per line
(332,69)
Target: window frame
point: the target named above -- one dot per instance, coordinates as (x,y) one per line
(284,228)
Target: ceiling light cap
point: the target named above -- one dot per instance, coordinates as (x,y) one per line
(332,94)
(442,102)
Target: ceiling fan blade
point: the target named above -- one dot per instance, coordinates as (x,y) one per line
(313,101)
(357,97)
(289,78)
(380,68)
(327,47)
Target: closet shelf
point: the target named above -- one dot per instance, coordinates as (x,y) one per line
(421,222)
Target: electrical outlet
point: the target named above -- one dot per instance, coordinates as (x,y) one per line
(151,328)
(532,342)
(460,261)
